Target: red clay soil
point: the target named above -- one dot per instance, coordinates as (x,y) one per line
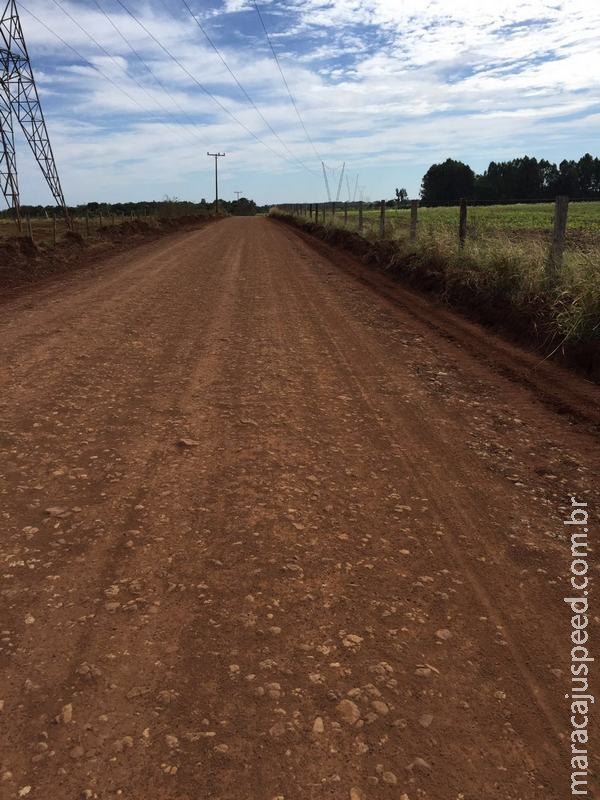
(268,533)
(24,262)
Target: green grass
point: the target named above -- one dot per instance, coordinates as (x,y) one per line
(522,216)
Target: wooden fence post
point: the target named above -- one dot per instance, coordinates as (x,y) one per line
(360,216)
(414,211)
(29,227)
(462,224)
(345,215)
(87,224)
(54,229)
(316,213)
(382,220)
(555,262)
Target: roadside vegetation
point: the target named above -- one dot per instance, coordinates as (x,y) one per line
(505,259)
(501,274)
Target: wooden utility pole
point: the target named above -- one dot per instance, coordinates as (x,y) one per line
(462,224)
(216,157)
(414,211)
(557,250)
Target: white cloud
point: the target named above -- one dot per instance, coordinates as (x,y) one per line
(379,83)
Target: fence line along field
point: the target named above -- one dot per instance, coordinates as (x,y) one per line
(47,230)
(532,217)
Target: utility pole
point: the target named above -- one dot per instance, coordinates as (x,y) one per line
(216,157)
(19,100)
(238,193)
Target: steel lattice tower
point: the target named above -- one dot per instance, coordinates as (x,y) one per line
(19,99)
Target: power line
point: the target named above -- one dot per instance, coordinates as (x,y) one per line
(147,68)
(275,56)
(81,57)
(242,89)
(89,63)
(198,83)
(115,61)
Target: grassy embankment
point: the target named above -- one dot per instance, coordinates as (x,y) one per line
(504,261)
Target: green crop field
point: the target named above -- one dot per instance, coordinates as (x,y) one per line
(523,216)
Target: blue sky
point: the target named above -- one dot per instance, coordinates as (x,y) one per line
(388,86)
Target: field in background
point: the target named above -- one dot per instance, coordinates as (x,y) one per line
(526,216)
(45,231)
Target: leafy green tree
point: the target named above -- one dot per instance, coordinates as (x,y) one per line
(447,183)
(549,177)
(588,169)
(568,179)
(401,196)
(242,207)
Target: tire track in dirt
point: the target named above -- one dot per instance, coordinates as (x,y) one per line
(143,446)
(119,292)
(384,420)
(325,320)
(441,503)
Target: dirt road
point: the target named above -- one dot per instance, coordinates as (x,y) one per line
(347,583)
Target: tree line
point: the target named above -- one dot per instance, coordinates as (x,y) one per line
(167,207)
(517,180)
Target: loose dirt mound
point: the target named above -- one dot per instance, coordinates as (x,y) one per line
(22,262)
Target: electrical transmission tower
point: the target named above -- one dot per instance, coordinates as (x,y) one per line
(327,187)
(19,100)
